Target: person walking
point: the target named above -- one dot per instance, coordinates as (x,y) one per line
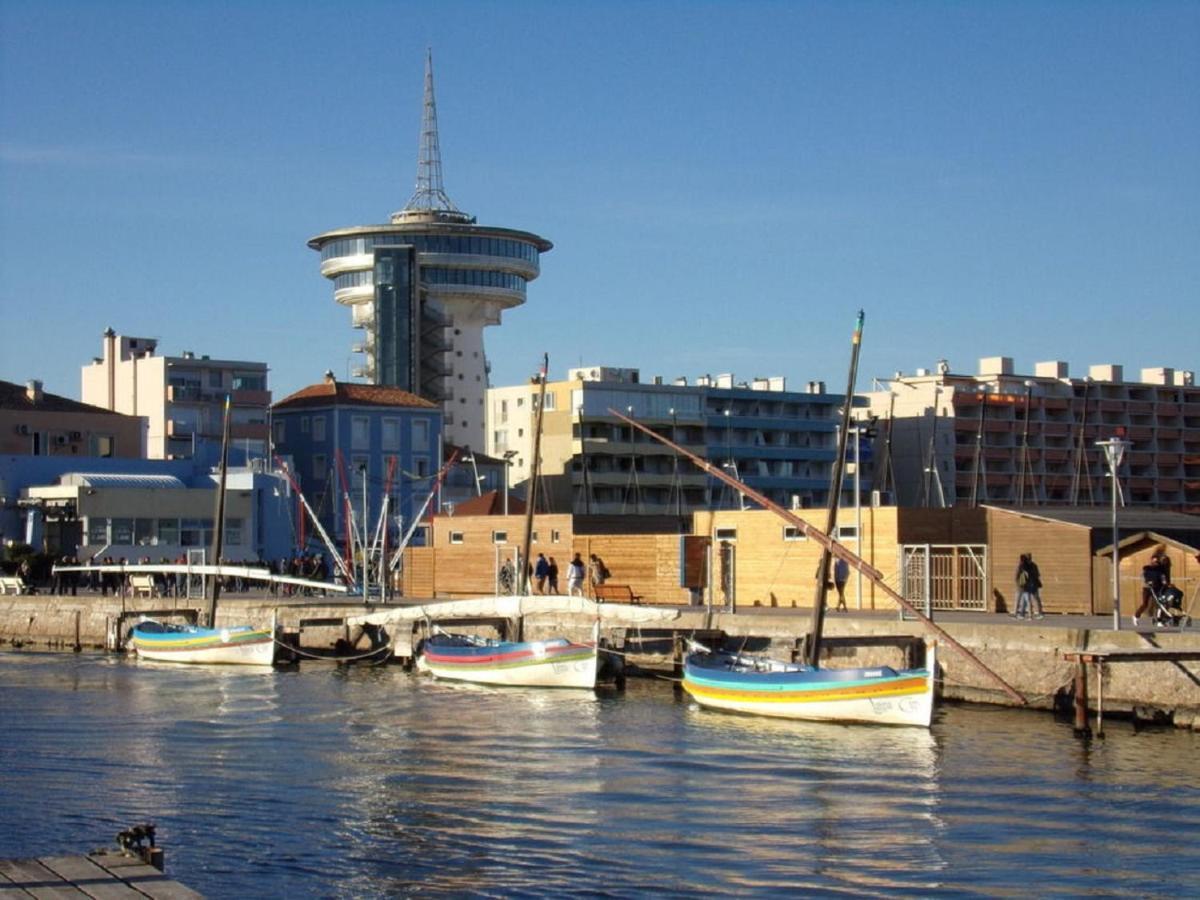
(575,576)
(541,571)
(1029,585)
(552,576)
(1156,575)
(841,574)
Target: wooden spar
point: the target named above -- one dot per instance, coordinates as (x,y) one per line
(535,471)
(852,559)
(835,496)
(219,523)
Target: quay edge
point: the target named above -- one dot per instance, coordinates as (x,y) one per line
(1029,656)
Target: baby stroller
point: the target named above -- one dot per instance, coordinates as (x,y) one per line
(1168,607)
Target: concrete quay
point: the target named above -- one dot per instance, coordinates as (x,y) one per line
(1029,655)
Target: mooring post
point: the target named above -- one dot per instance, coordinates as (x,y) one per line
(1081,700)
(78,646)
(677,664)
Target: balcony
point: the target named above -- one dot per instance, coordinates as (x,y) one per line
(250,398)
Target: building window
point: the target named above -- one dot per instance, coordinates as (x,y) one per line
(144,533)
(168,531)
(247,381)
(214,378)
(555,536)
(846,531)
(97,530)
(104,445)
(420,466)
(499,537)
(122,531)
(360,432)
(304,424)
(318,428)
(391,434)
(280,431)
(725,534)
(420,434)
(793,533)
(456,537)
(233,532)
(318,466)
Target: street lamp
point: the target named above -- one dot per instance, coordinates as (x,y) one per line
(508,457)
(470,458)
(1114,451)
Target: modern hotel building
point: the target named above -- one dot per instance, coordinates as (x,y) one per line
(424,286)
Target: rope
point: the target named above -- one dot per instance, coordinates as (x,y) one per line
(307,655)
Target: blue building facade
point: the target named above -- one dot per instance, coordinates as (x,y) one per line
(341,440)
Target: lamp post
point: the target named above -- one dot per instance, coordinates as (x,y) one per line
(470,458)
(508,457)
(1114,451)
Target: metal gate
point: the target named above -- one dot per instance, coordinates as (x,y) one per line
(944,576)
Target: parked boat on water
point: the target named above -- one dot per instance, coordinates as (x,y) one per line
(556,662)
(758,685)
(239,645)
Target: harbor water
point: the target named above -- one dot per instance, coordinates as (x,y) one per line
(371,782)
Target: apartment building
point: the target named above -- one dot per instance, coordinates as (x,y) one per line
(182,397)
(1000,437)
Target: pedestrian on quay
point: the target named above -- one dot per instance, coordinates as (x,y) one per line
(1156,575)
(841,574)
(552,575)
(575,576)
(541,571)
(600,573)
(1029,586)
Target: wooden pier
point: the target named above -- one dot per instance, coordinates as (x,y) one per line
(1098,658)
(130,871)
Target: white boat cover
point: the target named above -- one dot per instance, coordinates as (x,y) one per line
(508,607)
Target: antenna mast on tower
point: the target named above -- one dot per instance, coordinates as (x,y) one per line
(429,195)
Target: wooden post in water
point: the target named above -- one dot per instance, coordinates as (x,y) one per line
(1081,700)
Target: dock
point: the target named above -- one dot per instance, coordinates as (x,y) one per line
(131,871)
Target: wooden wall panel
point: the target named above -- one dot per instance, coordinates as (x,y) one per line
(773,571)
(1063,554)
(648,563)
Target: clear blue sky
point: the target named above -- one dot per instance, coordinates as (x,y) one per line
(725,183)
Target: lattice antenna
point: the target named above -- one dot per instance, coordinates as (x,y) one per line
(429,195)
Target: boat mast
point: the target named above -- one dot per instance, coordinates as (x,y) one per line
(810,531)
(835,496)
(535,471)
(219,519)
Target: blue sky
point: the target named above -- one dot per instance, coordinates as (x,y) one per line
(725,183)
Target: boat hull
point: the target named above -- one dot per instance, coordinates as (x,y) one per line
(554,663)
(879,696)
(240,645)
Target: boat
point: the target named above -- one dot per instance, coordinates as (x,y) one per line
(758,685)
(239,645)
(556,662)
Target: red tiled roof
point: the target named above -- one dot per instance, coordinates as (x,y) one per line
(350,394)
(490,504)
(14,396)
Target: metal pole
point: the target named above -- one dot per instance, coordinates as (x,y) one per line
(1116,560)
(858,505)
(366,550)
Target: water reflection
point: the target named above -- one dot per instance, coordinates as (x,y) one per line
(367,782)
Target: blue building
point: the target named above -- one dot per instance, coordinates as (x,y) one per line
(341,439)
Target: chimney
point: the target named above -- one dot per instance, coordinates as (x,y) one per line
(1106,372)
(329,379)
(33,390)
(1054,368)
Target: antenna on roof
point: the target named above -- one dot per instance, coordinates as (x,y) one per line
(429,195)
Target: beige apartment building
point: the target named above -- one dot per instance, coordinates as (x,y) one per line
(182,397)
(998,437)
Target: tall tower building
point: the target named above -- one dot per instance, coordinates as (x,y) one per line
(423,288)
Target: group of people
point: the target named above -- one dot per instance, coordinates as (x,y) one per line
(1159,589)
(544,573)
(1029,589)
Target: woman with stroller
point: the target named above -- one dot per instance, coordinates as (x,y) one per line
(1156,575)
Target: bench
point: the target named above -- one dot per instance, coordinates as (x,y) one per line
(11,584)
(143,585)
(617,593)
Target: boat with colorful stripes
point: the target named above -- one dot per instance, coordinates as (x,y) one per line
(557,662)
(239,645)
(766,687)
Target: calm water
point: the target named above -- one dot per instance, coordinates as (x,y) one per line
(370,782)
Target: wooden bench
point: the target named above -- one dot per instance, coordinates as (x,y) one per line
(617,593)
(11,584)
(143,585)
